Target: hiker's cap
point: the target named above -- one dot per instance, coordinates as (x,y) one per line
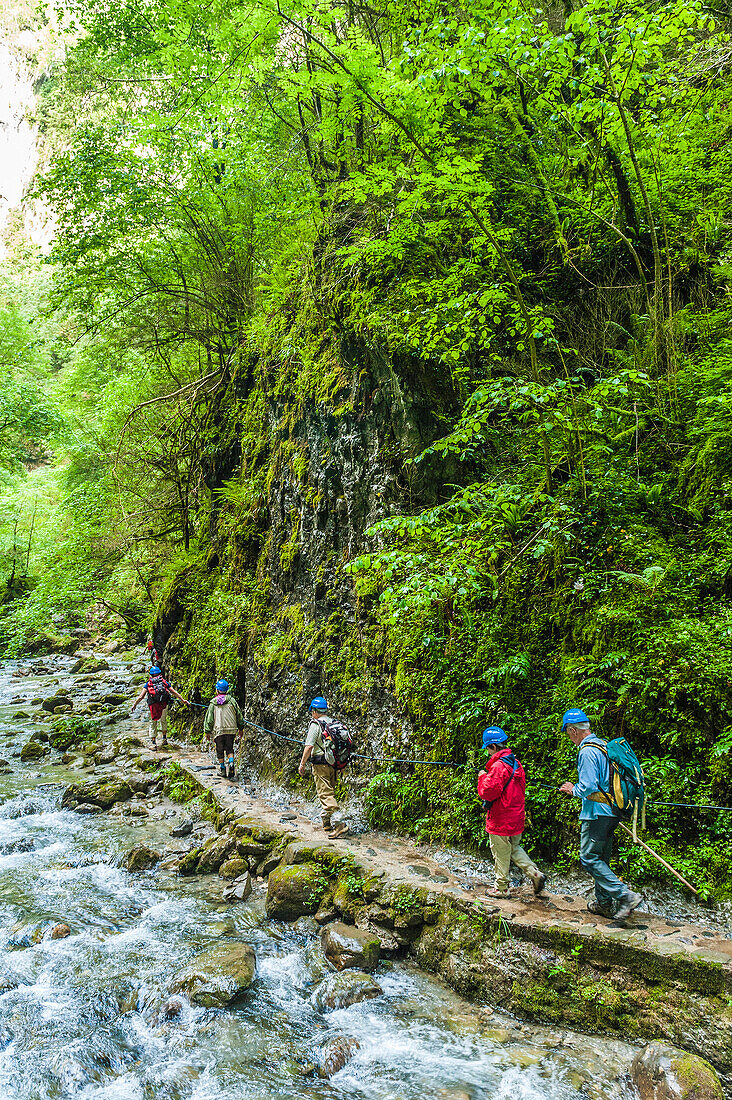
(318,703)
(155,671)
(494,735)
(222,685)
(574,718)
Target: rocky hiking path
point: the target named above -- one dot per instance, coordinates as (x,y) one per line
(404,862)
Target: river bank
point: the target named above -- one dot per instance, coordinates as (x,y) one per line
(527,964)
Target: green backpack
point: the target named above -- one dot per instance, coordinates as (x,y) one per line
(627,794)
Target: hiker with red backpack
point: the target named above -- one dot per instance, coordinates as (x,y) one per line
(328,748)
(607,788)
(502,787)
(157,692)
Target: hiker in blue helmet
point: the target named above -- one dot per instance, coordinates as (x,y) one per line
(224,720)
(502,787)
(158,694)
(598,821)
(318,751)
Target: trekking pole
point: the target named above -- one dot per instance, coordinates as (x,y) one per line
(659,858)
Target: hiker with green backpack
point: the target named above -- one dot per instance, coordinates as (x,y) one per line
(610,785)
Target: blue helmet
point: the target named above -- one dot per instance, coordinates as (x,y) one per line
(494,735)
(574,718)
(222,686)
(155,671)
(318,703)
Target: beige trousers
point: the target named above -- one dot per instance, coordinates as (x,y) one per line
(505,851)
(162,722)
(325,778)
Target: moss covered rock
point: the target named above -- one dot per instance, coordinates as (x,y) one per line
(140,858)
(217,977)
(342,990)
(662,1072)
(33,750)
(233,868)
(295,891)
(214,853)
(100,792)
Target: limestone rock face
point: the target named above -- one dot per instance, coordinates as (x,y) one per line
(99,792)
(348,948)
(217,977)
(140,858)
(663,1072)
(336,1053)
(342,990)
(295,891)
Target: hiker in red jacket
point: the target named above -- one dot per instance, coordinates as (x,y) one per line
(502,783)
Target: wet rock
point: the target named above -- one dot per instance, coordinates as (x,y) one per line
(33,750)
(184,829)
(342,990)
(268,865)
(189,864)
(218,977)
(662,1072)
(87,808)
(63,708)
(214,853)
(114,698)
(100,792)
(60,932)
(89,665)
(295,891)
(336,1053)
(173,1008)
(348,948)
(21,714)
(23,844)
(57,701)
(140,858)
(239,890)
(233,868)
(106,756)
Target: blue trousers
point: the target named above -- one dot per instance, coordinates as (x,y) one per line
(596,849)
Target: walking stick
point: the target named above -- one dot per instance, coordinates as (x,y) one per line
(659,858)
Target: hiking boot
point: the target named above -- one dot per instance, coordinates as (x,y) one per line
(163,746)
(230,773)
(630,902)
(222,771)
(341,829)
(599,910)
(539,882)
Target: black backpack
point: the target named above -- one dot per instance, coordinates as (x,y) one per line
(513,765)
(342,741)
(157,692)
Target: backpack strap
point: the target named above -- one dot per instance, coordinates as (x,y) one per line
(598,796)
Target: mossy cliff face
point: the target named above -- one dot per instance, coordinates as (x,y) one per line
(301,462)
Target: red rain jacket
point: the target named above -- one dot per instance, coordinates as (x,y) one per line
(507,815)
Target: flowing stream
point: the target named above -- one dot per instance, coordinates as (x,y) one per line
(84,1016)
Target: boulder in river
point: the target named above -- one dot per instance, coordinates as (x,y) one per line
(663,1072)
(336,1053)
(33,750)
(60,932)
(239,889)
(295,891)
(140,858)
(348,948)
(57,701)
(217,977)
(99,792)
(89,665)
(342,990)
(185,828)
